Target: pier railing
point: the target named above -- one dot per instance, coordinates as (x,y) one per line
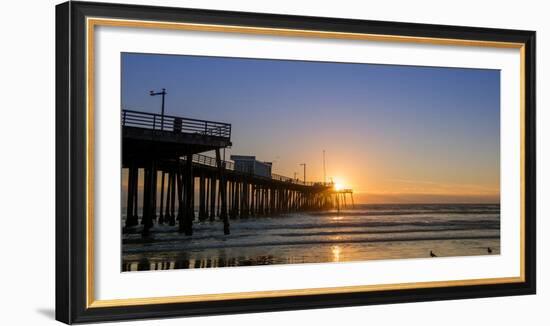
(131,118)
(229,165)
(210,161)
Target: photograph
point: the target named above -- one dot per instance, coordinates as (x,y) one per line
(235,161)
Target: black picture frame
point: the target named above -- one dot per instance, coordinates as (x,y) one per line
(71,158)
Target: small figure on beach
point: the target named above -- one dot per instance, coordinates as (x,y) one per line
(489,250)
(432,254)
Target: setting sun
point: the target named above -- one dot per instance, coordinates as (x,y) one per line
(338,186)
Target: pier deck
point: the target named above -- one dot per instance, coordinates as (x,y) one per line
(147,135)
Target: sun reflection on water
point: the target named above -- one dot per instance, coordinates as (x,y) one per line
(336,253)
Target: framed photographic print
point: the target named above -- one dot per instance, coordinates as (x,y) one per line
(213,162)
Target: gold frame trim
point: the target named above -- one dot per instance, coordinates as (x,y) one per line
(92,22)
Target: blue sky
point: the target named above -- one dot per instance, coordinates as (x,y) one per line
(392,131)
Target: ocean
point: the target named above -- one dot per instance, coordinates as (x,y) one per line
(366,232)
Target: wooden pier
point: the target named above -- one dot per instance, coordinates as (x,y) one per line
(340,196)
(177,178)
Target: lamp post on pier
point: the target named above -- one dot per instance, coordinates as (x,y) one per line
(304,172)
(163,93)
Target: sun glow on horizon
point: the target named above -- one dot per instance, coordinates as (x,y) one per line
(339,186)
(338,183)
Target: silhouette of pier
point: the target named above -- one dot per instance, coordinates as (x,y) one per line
(166,150)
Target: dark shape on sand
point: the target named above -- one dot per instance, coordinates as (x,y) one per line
(432,254)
